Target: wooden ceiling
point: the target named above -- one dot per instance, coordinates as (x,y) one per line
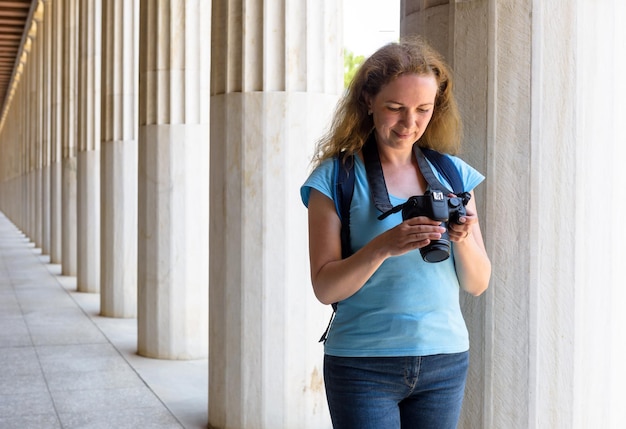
(14,16)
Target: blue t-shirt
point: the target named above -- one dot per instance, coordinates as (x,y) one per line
(408,307)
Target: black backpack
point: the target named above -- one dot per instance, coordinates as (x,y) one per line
(343,182)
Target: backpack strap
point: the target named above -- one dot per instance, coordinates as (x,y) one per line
(343,182)
(344,188)
(445,167)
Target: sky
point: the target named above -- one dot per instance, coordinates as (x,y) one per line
(369,24)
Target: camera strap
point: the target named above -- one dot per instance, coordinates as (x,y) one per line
(376,178)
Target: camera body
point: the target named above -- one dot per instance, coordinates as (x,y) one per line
(437,206)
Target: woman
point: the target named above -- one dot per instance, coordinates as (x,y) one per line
(396,354)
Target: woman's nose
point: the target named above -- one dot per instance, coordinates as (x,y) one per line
(409,117)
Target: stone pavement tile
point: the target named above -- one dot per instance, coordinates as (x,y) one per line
(11,319)
(122,333)
(25,268)
(122,377)
(71,351)
(20,404)
(66,334)
(88,400)
(13,339)
(9,306)
(26,274)
(22,383)
(13,331)
(41,298)
(31,421)
(38,313)
(79,358)
(16,361)
(144,418)
(8,300)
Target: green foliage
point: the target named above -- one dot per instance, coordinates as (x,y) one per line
(351,64)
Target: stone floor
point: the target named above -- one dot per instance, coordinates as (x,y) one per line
(64,366)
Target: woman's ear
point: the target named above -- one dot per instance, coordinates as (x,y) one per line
(368,103)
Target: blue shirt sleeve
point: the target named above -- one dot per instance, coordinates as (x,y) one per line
(321,179)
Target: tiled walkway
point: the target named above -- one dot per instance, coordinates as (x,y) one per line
(63,366)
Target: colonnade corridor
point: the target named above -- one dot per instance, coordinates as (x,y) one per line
(64,366)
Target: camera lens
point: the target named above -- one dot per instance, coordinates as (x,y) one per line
(436,251)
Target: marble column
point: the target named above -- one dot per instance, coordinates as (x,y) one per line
(56,110)
(12,148)
(118,279)
(173,179)
(88,144)
(68,135)
(22,201)
(537,84)
(26,224)
(46,108)
(16,169)
(592,117)
(23,148)
(31,138)
(36,125)
(431,19)
(276,76)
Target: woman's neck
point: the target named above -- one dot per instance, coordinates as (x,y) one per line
(397,157)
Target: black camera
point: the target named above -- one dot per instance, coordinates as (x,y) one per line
(436,206)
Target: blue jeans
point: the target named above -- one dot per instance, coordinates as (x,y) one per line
(396,392)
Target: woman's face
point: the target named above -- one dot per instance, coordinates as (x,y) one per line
(403,108)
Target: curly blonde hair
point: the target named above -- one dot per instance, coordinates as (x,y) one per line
(351,124)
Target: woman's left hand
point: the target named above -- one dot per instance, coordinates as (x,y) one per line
(460,232)
(471,262)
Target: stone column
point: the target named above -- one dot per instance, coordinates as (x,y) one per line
(494,93)
(44,87)
(24,217)
(56,124)
(12,150)
(12,147)
(537,84)
(25,179)
(88,143)
(36,111)
(461,32)
(173,179)
(29,138)
(276,76)
(593,118)
(21,181)
(431,19)
(120,37)
(68,135)
(466,51)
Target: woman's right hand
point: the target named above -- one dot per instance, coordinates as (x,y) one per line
(335,279)
(411,234)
